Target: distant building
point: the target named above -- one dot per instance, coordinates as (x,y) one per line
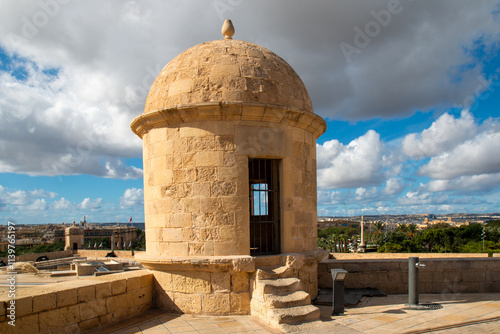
(337,223)
(118,234)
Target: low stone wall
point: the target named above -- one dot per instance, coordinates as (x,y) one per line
(220,285)
(79,305)
(374,255)
(90,253)
(34,256)
(444,275)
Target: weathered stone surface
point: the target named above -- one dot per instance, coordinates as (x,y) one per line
(24,306)
(92,309)
(221,282)
(240,282)
(103,290)
(119,286)
(60,317)
(44,302)
(216,303)
(188,303)
(66,297)
(240,303)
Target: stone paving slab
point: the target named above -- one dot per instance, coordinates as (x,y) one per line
(461,313)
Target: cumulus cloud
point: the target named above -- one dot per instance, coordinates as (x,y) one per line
(413,198)
(366,194)
(393,186)
(88,204)
(443,135)
(132,197)
(61,204)
(38,205)
(469,183)
(69,87)
(474,157)
(354,165)
(42,193)
(21,200)
(329,197)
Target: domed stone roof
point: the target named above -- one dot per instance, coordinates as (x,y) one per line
(228,71)
(73,229)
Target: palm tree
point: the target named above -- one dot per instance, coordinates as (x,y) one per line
(412,230)
(343,239)
(402,228)
(379,227)
(379,230)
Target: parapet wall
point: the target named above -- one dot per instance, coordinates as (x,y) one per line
(79,305)
(99,253)
(373,255)
(440,275)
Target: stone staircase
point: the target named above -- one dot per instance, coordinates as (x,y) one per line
(279,300)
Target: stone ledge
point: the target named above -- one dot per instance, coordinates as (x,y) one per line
(242,263)
(217,111)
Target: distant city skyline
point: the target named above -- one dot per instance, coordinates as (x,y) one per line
(410,92)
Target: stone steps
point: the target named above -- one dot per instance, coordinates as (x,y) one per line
(296,314)
(264,273)
(278,299)
(279,285)
(297,298)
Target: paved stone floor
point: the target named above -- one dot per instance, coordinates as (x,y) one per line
(461,313)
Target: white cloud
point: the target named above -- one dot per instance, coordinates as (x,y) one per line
(474,157)
(366,194)
(443,135)
(88,204)
(116,169)
(393,186)
(38,205)
(413,198)
(132,197)
(61,204)
(89,68)
(42,193)
(357,164)
(469,183)
(18,197)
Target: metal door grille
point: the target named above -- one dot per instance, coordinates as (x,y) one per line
(264,206)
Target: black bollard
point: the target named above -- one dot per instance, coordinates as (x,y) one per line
(338,276)
(413,281)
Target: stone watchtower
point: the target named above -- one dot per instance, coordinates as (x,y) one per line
(229,139)
(73,237)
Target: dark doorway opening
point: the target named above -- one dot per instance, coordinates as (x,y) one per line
(264,206)
(75,246)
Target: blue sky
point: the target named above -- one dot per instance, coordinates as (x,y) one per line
(410,91)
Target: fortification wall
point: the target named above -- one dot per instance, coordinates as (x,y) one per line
(79,305)
(98,253)
(373,255)
(440,275)
(34,256)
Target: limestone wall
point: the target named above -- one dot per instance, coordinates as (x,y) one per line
(79,305)
(374,255)
(218,286)
(196,186)
(91,253)
(441,275)
(33,257)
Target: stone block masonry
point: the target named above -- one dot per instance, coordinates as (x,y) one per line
(81,305)
(196,186)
